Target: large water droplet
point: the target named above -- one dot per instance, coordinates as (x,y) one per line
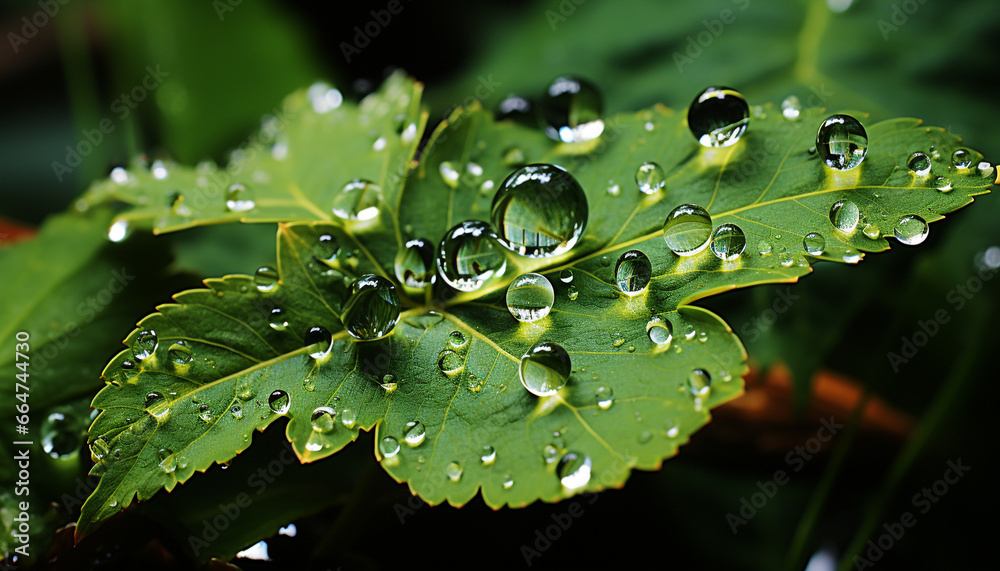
(450,362)
(545,368)
(842,142)
(179,353)
(718,117)
(687,229)
(414,433)
(699,382)
(728,242)
(540,211)
(99,449)
(469,255)
(372,309)
(454,471)
(919,163)
(358,200)
(660,331)
(348,417)
(388,447)
(961,159)
(60,435)
(572,108)
(415,264)
(633,272)
(239,198)
(145,344)
(650,178)
(814,243)
(320,342)
(791,107)
(265,278)
(279,401)
(323,419)
(911,230)
(574,470)
(530,297)
(845,216)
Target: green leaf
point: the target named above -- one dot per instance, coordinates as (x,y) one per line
(291,170)
(470,402)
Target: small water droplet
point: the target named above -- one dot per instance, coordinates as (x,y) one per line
(348,417)
(237,411)
(120,176)
(323,97)
(388,447)
(540,211)
(605,397)
(544,368)
(450,362)
(911,230)
(961,159)
(323,419)
(842,142)
(728,242)
(508,482)
(699,382)
(660,331)
(244,390)
(633,272)
(379,144)
(572,108)
(764,247)
(358,200)
(415,264)
(614,189)
(872,231)
(814,243)
(785,259)
(791,107)
(845,216)
(145,344)
(239,198)
(414,433)
(99,449)
(513,157)
(454,471)
(279,401)
(372,308)
(718,116)
(119,230)
(266,278)
(456,338)
(449,174)
(320,342)
(179,353)
(687,229)
(566,276)
(650,178)
(572,293)
(469,255)
(488,455)
(168,461)
(574,470)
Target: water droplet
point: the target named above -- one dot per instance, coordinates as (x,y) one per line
(513,157)
(842,142)
(454,471)
(514,107)
(488,456)
(508,482)
(911,230)
(167,460)
(119,230)
(450,362)
(689,331)
(265,278)
(540,211)
(814,243)
(145,344)
(279,401)
(415,264)
(323,419)
(120,176)
(550,454)
(449,174)
(728,242)
(785,259)
(871,230)
(204,413)
(791,107)
(237,411)
(672,429)
(99,449)
(358,200)
(530,297)
(845,216)
(572,293)
(323,97)
(605,397)
(764,247)
(544,368)
(277,319)
(650,178)
(851,257)
(699,382)
(645,436)
(320,341)
(572,108)
(718,117)
(633,272)
(348,417)
(239,198)
(414,433)
(961,159)
(687,229)
(566,276)
(919,163)
(943,184)
(379,144)
(456,338)
(60,437)
(469,255)
(574,470)
(179,353)
(660,331)
(244,390)
(614,189)
(372,310)
(388,447)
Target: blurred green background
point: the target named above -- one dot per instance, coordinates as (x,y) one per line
(212,69)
